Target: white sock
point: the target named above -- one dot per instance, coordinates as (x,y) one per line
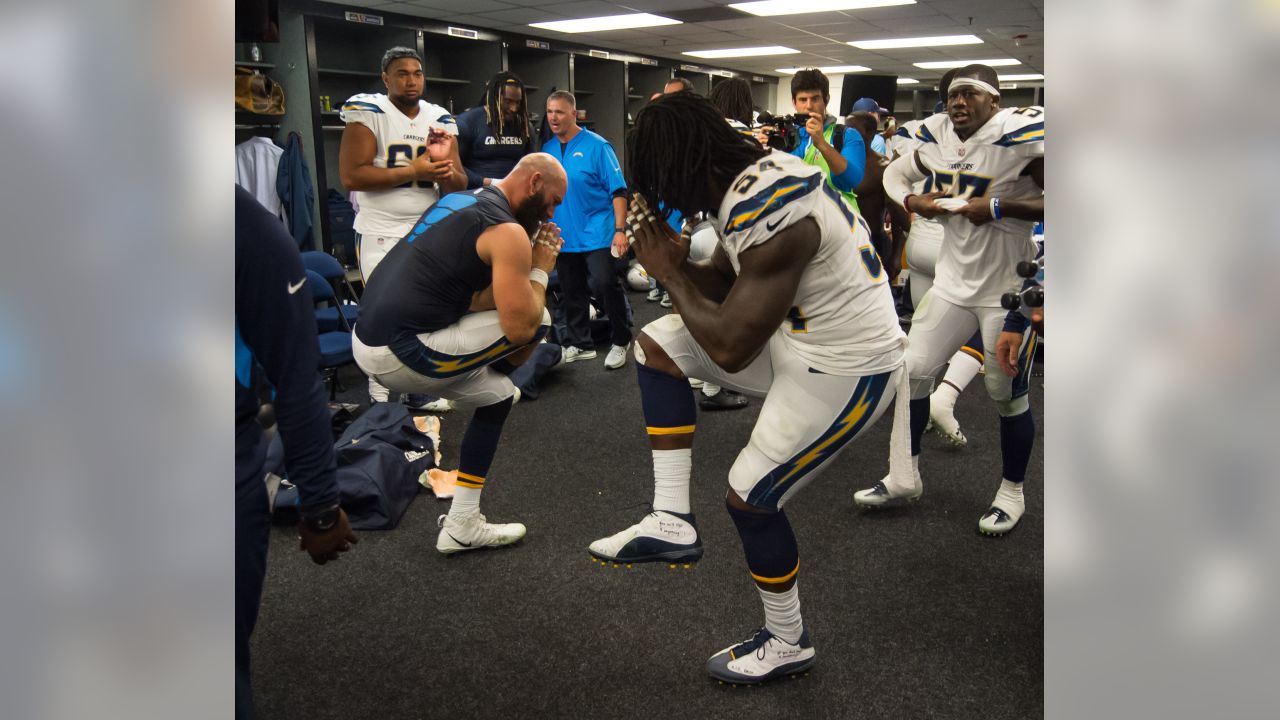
(465,501)
(960,372)
(671,470)
(378,391)
(782,613)
(1009,499)
(710,389)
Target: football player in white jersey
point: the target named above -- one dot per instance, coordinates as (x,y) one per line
(399,155)
(921,259)
(792,307)
(988,163)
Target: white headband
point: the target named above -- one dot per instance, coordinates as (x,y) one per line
(975,82)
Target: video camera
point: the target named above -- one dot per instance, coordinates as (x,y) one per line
(783,132)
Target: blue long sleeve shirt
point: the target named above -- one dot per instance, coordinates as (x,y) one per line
(853,151)
(586,216)
(276,331)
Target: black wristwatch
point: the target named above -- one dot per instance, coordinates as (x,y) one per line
(322,520)
(622,229)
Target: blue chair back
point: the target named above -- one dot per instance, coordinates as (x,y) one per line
(335,346)
(321,290)
(326,265)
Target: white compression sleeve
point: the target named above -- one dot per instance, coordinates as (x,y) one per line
(900,176)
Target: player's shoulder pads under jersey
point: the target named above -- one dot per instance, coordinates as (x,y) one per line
(1019,126)
(437,117)
(363,106)
(904,140)
(933,127)
(448,205)
(770,194)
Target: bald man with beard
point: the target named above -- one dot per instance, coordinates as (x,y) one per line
(456,307)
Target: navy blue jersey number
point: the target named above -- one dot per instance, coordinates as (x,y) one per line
(409,152)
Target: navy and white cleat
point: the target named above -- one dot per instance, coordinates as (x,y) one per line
(996,522)
(760,658)
(660,537)
(879,495)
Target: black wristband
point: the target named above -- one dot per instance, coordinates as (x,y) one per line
(322,520)
(620,229)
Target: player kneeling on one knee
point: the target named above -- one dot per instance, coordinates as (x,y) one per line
(455,307)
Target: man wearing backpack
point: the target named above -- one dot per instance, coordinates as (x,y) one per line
(826,143)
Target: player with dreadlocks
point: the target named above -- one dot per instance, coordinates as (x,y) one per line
(495,135)
(733,98)
(792,307)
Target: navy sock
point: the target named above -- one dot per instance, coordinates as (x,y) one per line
(1017,436)
(480,443)
(975,342)
(669,408)
(768,542)
(919,420)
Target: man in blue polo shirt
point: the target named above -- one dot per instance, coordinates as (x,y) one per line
(592,221)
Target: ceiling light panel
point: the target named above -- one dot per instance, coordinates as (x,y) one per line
(828,69)
(742,52)
(766,8)
(947,64)
(604,24)
(1030,76)
(935,41)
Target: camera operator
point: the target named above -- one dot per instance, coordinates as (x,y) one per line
(837,149)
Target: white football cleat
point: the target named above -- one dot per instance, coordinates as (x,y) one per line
(471,532)
(763,656)
(882,494)
(942,420)
(1005,511)
(660,537)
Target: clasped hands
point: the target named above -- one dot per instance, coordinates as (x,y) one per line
(658,248)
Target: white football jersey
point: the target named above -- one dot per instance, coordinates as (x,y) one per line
(925,236)
(842,321)
(391,213)
(976,264)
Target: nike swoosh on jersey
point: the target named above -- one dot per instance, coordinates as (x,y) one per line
(295,288)
(771,226)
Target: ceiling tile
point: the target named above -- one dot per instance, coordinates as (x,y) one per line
(520,16)
(657,6)
(585,9)
(462,6)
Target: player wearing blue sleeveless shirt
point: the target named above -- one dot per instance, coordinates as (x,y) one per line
(456,308)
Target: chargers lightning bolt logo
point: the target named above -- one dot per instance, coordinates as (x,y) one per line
(855,416)
(445,368)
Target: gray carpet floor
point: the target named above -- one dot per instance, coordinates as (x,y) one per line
(913,613)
